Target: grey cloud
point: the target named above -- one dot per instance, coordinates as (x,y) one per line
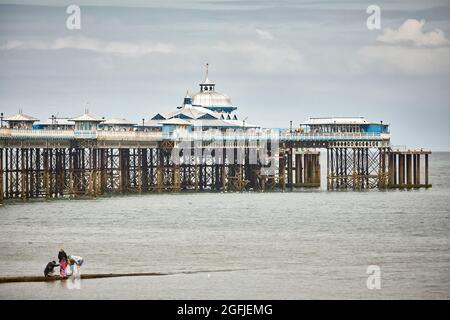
(91,44)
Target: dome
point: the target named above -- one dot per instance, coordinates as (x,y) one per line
(211,99)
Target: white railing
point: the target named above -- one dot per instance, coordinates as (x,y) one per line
(283,136)
(190,136)
(129,136)
(85,134)
(31,133)
(5,132)
(335,136)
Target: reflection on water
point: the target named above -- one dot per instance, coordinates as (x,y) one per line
(306,244)
(73,282)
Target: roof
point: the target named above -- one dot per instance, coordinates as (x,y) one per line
(240,123)
(211,99)
(153,123)
(119,121)
(21,117)
(58,121)
(86,117)
(193,112)
(176,121)
(220,123)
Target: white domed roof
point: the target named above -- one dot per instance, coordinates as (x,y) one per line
(211,99)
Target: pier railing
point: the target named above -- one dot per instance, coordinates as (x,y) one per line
(70,134)
(271,135)
(334,136)
(210,135)
(42,134)
(129,135)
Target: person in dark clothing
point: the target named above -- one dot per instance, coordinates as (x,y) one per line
(49,269)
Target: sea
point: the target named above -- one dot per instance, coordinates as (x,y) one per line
(302,244)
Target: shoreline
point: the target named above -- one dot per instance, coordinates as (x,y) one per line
(83,276)
(104,275)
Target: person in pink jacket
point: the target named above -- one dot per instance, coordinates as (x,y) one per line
(62,268)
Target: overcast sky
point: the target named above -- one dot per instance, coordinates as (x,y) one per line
(277,60)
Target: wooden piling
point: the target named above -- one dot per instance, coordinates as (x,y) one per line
(409,170)
(290,155)
(418,171)
(282,170)
(298,169)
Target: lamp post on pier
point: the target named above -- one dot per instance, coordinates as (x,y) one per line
(1,120)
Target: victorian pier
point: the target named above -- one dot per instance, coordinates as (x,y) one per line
(201,146)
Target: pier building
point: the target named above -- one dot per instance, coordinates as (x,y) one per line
(343,124)
(86,122)
(55,123)
(207,109)
(20,121)
(117,124)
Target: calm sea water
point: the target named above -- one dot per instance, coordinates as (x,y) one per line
(293,245)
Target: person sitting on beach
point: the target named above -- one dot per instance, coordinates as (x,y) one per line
(49,269)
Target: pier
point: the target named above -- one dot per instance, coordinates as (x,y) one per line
(406,170)
(64,163)
(201,146)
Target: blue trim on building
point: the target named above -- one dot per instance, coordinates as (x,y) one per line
(182,116)
(374,128)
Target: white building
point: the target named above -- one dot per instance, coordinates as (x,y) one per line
(207,108)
